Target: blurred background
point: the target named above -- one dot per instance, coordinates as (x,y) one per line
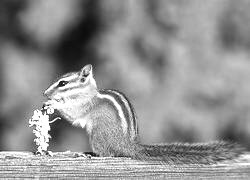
(185,65)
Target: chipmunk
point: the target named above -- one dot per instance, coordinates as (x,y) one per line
(110,121)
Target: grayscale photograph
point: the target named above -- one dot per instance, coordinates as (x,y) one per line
(125,89)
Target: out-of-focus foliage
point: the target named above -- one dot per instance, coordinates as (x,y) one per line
(184,64)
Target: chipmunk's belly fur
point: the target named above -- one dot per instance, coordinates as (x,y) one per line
(72,112)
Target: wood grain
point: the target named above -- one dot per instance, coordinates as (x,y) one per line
(65,165)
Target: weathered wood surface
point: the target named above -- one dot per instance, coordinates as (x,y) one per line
(65,165)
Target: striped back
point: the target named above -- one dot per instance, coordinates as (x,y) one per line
(125,111)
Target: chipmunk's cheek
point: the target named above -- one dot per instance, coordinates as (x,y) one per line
(56,102)
(59,99)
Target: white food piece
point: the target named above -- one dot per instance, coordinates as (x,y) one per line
(50,110)
(41,122)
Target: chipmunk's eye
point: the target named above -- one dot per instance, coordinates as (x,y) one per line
(62,83)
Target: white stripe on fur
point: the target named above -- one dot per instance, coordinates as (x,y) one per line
(119,109)
(126,103)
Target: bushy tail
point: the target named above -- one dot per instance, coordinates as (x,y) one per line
(201,153)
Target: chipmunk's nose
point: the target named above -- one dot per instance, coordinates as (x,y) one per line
(47,93)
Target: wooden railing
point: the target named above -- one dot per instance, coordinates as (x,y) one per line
(65,165)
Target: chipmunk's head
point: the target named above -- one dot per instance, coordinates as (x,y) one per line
(72,86)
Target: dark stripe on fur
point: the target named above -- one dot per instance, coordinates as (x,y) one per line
(124,108)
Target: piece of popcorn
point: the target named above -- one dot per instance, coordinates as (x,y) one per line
(50,110)
(40,120)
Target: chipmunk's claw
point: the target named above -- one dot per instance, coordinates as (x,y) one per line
(85,155)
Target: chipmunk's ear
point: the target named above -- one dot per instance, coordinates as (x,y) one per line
(86,71)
